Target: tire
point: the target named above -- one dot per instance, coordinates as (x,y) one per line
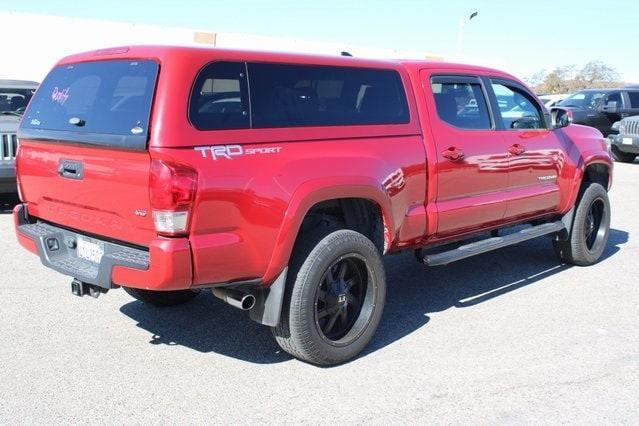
(162,298)
(622,157)
(591,225)
(338,276)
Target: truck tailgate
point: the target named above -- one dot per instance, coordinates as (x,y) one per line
(83,162)
(107,195)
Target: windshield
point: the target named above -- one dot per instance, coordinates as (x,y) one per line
(14,100)
(589,99)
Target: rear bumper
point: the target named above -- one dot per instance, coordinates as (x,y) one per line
(166,265)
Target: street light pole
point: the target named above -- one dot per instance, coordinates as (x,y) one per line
(460,32)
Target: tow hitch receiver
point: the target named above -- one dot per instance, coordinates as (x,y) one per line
(80,288)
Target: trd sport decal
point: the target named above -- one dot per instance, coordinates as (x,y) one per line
(230,151)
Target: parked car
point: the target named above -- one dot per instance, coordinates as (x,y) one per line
(601,108)
(625,144)
(552,100)
(14,97)
(278,181)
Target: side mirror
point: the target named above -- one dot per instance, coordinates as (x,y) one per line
(560,117)
(525,123)
(610,107)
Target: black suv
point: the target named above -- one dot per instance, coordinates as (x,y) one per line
(601,108)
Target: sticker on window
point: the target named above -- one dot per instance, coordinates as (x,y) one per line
(60,96)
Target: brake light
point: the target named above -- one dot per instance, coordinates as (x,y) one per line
(172,189)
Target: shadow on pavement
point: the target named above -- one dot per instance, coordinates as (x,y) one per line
(7,203)
(209,325)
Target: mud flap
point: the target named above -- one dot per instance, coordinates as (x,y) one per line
(268,304)
(567,220)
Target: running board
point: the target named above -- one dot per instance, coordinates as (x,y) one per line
(494,243)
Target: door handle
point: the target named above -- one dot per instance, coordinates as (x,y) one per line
(70,169)
(517,149)
(453,154)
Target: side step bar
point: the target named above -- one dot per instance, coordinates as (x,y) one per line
(494,243)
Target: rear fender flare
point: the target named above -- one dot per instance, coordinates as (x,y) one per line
(315,191)
(589,159)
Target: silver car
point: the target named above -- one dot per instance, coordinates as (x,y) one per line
(625,144)
(14,97)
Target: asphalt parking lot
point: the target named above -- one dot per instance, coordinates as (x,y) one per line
(509,337)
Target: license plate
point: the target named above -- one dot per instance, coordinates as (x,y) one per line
(90,249)
(627,141)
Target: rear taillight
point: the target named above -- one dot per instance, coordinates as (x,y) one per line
(172,189)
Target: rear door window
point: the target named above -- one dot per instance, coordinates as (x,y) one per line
(103,102)
(460,102)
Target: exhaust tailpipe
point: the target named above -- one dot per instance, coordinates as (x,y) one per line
(235,298)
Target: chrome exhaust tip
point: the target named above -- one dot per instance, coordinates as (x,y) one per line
(235,298)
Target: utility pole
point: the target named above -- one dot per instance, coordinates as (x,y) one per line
(460,32)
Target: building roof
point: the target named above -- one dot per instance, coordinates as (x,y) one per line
(18,84)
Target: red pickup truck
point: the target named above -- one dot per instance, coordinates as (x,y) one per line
(278,181)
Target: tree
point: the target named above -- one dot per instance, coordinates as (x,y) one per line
(536,79)
(568,79)
(558,81)
(596,73)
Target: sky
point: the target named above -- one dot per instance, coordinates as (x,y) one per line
(522,37)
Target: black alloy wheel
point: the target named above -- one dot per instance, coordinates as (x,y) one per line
(340,297)
(334,299)
(594,233)
(588,236)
